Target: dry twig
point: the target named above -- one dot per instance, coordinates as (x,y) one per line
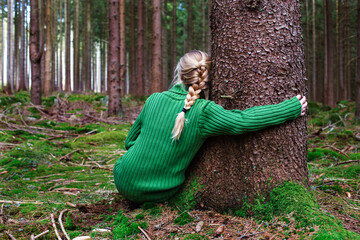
(61,224)
(146,235)
(41,234)
(54,226)
(10,236)
(345,162)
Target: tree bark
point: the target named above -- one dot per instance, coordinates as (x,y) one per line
(164,46)
(329,86)
(357,90)
(132,51)
(2,49)
(67,46)
(140,51)
(258,59)
(189,26)
(156,50)
(17,35)
(347,57)
(76,77)
(122,48)
(114,61)
(173,37)
(54,18)
(314,73)
(48,82)
(340,53)
(10,55)
(36,51)
(22,79)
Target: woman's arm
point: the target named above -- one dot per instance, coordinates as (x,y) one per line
(215,120)
(133,133)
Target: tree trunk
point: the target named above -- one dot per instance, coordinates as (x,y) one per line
(164,53)
(173,37)
(87,48)
(54,18)
(10,55)
(314,73)
(36,51)
(132,52)
(329,87)
(347,50)
(22,85)
(17,26)
(2,49)
(140,51)
(189,26)
(48,83)
(62,6)
(156,51)
(357,89)
(114,62)
(67,46)
(122,48)
(340,53)
(234,169)
(76,48)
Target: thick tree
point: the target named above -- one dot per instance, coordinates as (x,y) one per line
(114,61)
(258,59)
(156,50)
(140,51)
(122,47)
(173,36)
(340,52)
(329,53)
(347,48)
(36,51)
(132,51)
(357,89)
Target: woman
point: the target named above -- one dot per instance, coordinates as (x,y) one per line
(162,142)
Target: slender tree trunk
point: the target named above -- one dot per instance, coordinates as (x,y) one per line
(43,36)
(329,87)
(36,51)
(314,73)
(76,77)
(340,53)
(114,61)
(357,107)
(164,49)
(54,18)
(156,51)
(17,25)
(103,47)
(122,48)
(67,46)
(232,169)
(132,53)
(148,47)
(60,57)
(2,49)
(140,51)
(347,50)
(10,55)
(22,85)
(88,47)
(189,26)
(173,37)
(48,80)
(307,41)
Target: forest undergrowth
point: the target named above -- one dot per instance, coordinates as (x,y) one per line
(56,179)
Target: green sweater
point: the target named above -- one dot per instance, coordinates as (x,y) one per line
(154,166)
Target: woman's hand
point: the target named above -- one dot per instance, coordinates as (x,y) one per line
(304,104)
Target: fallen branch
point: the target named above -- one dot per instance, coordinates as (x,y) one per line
(345,162)
(336,149)
(54,226)
(26,202)
(10,236)
(41,234)
(142,230)
(67,155)
(61,224)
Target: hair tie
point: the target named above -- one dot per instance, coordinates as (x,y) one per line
(184,110)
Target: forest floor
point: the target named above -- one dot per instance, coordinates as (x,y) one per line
(56,177)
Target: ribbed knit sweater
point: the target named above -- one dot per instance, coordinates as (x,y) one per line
(154,166)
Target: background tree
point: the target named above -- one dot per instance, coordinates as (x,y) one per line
(248,73)
(140,51)
(67,44)
(113,72)
(156,50)
(36,51)
(122,46)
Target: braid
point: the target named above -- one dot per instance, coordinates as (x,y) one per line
(197,77)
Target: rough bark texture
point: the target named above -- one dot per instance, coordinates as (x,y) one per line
(132,51)
(47,82)
(156,50)
(122,47)
(76,47)
(140,51)
(113,65)
(35,53)
(67,46)
(340,52)
(10,55)
(314,73)
(347,57)
(22,85)
(357,108)
(258,59)
(165,61)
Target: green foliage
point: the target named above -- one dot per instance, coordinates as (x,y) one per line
(69,224)
(123,228)
(185,199)
(183,219)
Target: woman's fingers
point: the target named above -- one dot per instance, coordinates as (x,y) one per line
(304,104)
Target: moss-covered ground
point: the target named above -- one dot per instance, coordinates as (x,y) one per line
(58,158)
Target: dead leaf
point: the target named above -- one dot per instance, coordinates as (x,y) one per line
(219,231)
(199,225)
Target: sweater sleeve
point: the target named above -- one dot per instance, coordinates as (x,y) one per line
(215,120)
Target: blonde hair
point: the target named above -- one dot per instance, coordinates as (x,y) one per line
(193,71)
